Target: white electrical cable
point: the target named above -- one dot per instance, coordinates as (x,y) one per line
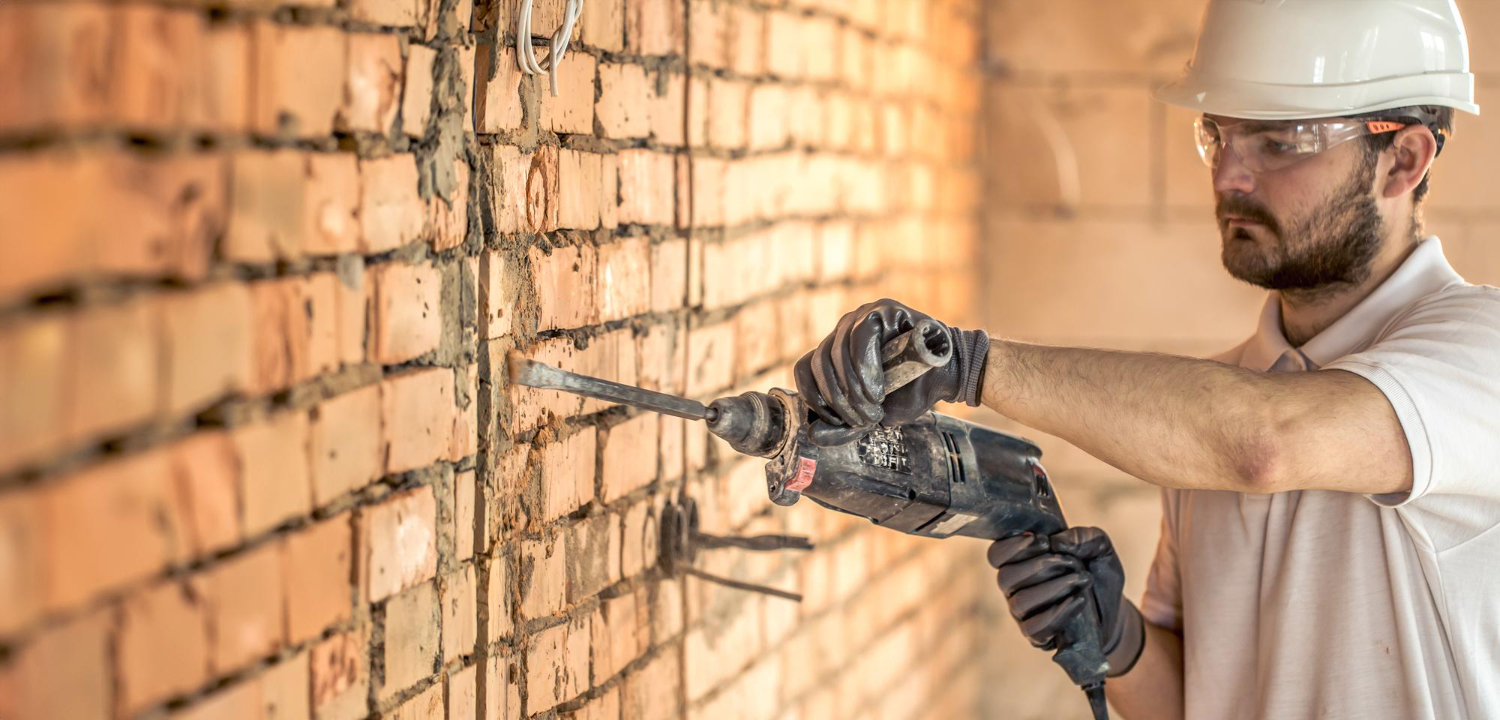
(526,56)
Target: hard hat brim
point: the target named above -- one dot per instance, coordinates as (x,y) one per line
(1261,101)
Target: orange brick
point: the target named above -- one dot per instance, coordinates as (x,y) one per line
(664,109)
(460,608)
(266,204)
(624,470)
(728,104)
(417,413)
(372,87)
(609,208)
(758,335)
(497,95)
(544,573)
(153,87)
(412,642)
(557,665)
(339,675)
(65,671)
(23,574)
(34,192)
(246,607)
(416,102)
(603,25)
(205,478)
(346,450)
(385,12)
(34,383)
(497,294)
(769,113)
(593,556)
(464,494)
(572,110)
(163,645)
(447,218)
(568,474)
(109,525)
(408,311)
(55,64)
(646,187)
(668,275)
(708,37)
(624,283)
(621,112)
(498,599)
(274,484)
(392,211)
(637,540)
(710,359)
(284,689)
(661,353)
(398,543)
(611,356)
(207,345)
(331,204)
(652,691)
(565,286)
(317,562)
(425,705)
(463,693)
(299,75)
(653,27)
(349,303)
(241,701)
(603,707)
(579,189)
(117,359)
(225,99)
(319,303)
(618,637)
(745,40)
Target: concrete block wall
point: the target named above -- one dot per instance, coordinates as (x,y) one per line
(261,264)
(1099,231)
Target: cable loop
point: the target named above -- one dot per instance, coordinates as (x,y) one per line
(526,55)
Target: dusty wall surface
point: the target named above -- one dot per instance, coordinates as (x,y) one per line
(1100,232)
(260,265)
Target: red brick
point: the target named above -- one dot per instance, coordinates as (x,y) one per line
(557,665)
(339,675)
(109,525)
(266,206)
(668,275)
(163,645)
(408,317)
(207,345)
(624,282)
(117,357)
(22,572)
(579,190)
(460,609)
(247,611)
(416,103)
(331,204)
(317,562)
(653,27)
(568,474)
(646,187)
(621,111)
(464,493)
(241,701)
(540,202)
(284,690)
(412,641)
(463,441)
(391,209)
(346,450)
(34,384)
(225,89)
(385,12)
(618,637)
(205,476)
(153,87)
(447,219)
(417,412)
(34,202)
(544,578)
(349,303)
(572,110)
(299,75)
(398,543)
(624,469)
(372,87)
(609,209)
(497,95)
(56,65)
(65,671)
(565,283)
(274,483)
(319,303)
(603,25)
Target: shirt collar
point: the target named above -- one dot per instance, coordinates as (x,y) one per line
(1424,272)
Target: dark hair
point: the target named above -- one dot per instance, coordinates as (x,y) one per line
(1437,118)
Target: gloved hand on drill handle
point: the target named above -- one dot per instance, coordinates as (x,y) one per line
(1049,579)
(843,382)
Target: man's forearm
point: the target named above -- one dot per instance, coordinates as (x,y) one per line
(1172,421)
(1152,690)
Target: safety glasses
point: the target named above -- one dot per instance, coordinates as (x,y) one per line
(1266,146)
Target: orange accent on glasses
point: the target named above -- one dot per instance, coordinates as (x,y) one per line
(1383,126)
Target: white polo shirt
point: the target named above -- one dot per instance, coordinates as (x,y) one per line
(1320,604)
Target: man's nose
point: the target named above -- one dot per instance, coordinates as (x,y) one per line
(1231,175)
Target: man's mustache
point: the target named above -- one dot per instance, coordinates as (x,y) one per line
(1246,208)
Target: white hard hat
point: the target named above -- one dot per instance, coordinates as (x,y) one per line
(1292,59)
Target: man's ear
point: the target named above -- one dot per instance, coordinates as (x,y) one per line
(1413,151)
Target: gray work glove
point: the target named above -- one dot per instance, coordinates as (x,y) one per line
(843,382)
(1049,579)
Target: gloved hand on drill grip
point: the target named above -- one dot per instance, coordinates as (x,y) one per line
(843,382)
(1047,580)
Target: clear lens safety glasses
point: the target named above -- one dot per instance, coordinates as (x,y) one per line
(1267,146)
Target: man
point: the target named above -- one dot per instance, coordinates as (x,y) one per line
(1331,497)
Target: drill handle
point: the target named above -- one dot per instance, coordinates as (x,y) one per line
(1080,652)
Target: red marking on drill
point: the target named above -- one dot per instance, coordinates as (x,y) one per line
(805,469)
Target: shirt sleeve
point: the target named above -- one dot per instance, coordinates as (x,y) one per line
(1439,366)
(1161,604)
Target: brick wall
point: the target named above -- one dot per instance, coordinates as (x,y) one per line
(259,269)
(1100,232)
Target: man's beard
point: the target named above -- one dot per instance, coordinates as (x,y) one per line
(1331,247)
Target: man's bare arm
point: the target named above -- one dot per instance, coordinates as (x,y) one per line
(1186,423)
(1152,690)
